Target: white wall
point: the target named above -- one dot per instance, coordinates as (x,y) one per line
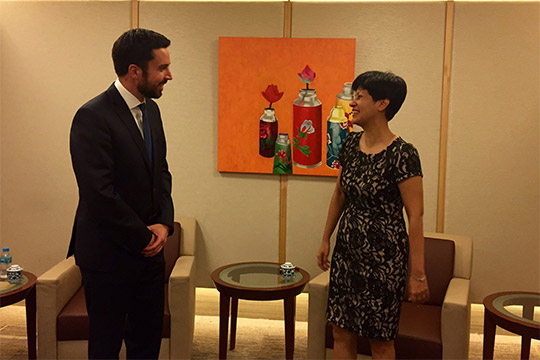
(54,56)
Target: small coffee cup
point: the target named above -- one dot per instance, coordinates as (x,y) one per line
(287,270)
(14,274)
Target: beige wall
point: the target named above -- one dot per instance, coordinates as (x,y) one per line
(54,56)
(238,214)
(387,38)
(493,156)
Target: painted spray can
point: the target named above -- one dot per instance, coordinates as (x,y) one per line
(282,158)
(336,132)
(344,99)
(307,129)
(268,127)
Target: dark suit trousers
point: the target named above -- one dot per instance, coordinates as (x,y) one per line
(125,310)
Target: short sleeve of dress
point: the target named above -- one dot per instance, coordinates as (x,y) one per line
(349,141)
(408,163)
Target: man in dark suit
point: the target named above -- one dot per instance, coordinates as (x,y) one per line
(125,210)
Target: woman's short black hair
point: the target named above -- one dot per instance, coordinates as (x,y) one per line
(135,47)
(383,85)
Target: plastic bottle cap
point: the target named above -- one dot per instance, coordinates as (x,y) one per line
(5,249)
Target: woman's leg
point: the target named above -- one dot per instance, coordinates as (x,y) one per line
(344,343)
(382,349)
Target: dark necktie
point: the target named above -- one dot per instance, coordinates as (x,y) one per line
(146,131)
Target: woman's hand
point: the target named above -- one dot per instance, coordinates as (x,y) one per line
(337,205)
(322,255)
(418,290)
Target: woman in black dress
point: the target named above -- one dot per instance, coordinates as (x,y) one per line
(380,174)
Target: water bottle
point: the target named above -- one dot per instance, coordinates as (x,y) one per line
(5,263)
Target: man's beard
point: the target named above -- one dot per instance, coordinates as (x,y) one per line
(149,91)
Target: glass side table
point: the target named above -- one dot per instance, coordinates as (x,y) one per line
(495,314)
(256,281)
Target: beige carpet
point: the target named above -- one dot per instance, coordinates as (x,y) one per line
(256,338)
(264,339)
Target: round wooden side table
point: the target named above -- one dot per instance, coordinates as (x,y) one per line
(256,281)
(24,291)
(495,314)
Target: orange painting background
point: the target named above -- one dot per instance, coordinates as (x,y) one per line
(247,66)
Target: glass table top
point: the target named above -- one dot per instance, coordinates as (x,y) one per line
(257,275)
(503,302)
(6,287)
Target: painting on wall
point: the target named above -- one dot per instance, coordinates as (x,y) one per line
(283,104)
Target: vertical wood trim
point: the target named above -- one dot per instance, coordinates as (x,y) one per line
(134,14)
(287,19)
(282,218)
(283,179)
(445,109)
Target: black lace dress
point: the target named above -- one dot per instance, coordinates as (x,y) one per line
(369,263)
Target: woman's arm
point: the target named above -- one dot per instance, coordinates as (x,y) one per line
(334,213)
(413,199)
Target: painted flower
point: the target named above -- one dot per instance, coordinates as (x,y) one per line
(307,127)
(272,94)
(307,75)
(304,130)
(282,155)
(264,132)
(336,165)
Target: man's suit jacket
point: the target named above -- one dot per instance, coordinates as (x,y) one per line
(121,192)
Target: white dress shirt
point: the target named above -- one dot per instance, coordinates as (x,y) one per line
(133,104)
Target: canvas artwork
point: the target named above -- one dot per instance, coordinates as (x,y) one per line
(283,104)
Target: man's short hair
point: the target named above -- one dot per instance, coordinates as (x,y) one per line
(383,85)
(135,47)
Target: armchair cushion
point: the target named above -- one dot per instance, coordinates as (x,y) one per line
(72,321)
(439,263)
(419,328)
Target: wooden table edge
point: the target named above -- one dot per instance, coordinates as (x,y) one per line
(19,294)
(244,291)
(505,321)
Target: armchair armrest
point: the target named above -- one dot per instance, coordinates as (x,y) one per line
(182,307)
(189,228)
(455,320)
(54,289)
(318,298)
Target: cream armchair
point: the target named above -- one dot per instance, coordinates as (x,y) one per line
(62,317)
(438,329)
